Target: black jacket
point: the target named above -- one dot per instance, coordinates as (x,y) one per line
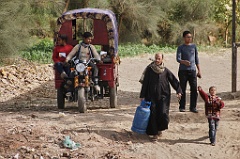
(157,86)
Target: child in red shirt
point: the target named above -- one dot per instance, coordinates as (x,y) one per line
(60,53)
(213,104)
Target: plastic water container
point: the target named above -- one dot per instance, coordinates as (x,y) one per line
(141,117)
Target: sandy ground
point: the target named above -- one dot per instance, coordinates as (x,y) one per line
(32,126)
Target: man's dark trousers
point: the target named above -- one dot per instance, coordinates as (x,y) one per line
(191,77)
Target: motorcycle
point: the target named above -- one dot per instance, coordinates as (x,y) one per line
(79,86)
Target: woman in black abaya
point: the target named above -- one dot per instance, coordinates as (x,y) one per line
(156,88)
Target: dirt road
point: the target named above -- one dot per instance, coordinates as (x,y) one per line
(32,126)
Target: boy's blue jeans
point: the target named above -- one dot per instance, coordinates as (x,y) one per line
(213,124)
(60,68)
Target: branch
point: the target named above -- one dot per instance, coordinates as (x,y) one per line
(66,6)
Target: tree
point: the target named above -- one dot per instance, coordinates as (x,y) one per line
(14,24)
(135,18)
(191,15)
(223,17)
(43,14)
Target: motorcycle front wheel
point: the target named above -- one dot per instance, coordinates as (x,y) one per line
(82,107)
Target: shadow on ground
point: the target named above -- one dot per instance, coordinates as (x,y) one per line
(43,99)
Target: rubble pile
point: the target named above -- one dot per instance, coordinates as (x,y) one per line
(21,77)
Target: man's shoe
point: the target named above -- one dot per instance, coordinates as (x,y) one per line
(182,110)
(159,133)
(213,144)
(194,110)
(154,138)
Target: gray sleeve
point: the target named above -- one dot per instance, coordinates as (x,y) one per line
(178,54)
(95,53)
(196,56)
(72,53)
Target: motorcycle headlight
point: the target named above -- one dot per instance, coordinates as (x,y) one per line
(80,67)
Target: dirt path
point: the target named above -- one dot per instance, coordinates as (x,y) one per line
(32,126)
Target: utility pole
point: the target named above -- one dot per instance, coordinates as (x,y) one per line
(234,48)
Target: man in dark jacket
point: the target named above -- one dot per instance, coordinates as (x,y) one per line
(156,88)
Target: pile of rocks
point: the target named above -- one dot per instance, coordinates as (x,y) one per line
(21,77)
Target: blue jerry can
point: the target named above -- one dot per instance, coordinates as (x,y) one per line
(141,117)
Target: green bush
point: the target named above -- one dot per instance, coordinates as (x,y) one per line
(137,49)
(40,52)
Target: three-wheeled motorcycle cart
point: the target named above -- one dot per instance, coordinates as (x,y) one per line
(102,24)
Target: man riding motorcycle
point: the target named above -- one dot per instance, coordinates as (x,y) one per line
(84,51)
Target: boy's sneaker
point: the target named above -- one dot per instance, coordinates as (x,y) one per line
(182,110)
(194,110)
(213,144)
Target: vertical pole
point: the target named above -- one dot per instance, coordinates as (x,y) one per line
(234,48)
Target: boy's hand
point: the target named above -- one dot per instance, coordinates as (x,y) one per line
(218,101)
(186,62)
(199,75)
(66,64)
(199,88)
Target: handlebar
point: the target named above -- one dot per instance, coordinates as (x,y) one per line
(86,62)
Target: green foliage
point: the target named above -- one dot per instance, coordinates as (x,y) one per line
(44,14)
(137,49)
(158,22)
(14,24)
(190,15)
(138,19)
(40,52)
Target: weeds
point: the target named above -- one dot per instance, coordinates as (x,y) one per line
(137,49)
(42,51)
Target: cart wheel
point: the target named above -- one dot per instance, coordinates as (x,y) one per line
(81,100)
(60,98)
(113,97)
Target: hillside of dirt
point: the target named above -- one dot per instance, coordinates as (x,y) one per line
(32,127)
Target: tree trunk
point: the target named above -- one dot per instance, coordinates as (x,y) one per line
(66,6)
(85,5)
(228,22)
(226,37)
(194,34)
(119,24)
(226,34)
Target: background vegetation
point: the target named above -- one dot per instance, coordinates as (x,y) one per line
(158,24)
